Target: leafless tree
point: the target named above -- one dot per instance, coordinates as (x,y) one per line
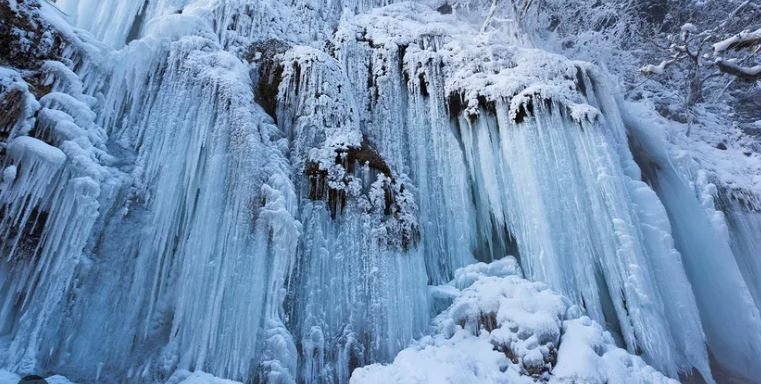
(710,52)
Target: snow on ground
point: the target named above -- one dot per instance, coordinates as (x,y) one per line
(179,377)
(186,377)
(502,328)
(7,377)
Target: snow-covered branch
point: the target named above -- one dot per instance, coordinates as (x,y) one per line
(658,69)
(738,41)
(731,67)
(702,54)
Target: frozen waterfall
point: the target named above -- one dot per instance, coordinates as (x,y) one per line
(284,192)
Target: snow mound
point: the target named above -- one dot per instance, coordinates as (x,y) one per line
(502,328)
(187,377)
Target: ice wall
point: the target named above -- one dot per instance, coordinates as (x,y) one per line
(211,202)
(719,266)
(187,269)
(265,199)
(117,22)
(744,223)
(547,169)
(359,291)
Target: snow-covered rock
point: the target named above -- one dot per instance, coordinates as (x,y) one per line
(502,328)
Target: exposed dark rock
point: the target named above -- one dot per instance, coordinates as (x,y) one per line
(524,111)
(11,106)
(394,192)
(365,154)
(25,38)
(445,9)
(270,72)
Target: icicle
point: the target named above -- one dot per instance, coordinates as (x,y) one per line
(253,199)
(51,205)
(731,319)
(359,256)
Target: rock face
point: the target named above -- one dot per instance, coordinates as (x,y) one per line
(26,36)
(266,191)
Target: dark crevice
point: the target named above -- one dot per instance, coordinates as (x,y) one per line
(523,112)
(612,321)
(30,235)
(270,72)
(455,105)
(137,24)
(649,167)
(580,83)
(445,9)
(487,105)
(423,83)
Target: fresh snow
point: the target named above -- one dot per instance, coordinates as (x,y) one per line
(290,192)
(502,328)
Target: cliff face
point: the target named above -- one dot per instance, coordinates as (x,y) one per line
(285,192)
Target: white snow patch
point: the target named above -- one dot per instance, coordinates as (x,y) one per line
(504,329)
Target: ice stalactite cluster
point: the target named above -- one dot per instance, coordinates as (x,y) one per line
(713,247)
(359,287)
(548,169)
(56,181)
(236,22)
(212,205)
(234,187)
(191,262)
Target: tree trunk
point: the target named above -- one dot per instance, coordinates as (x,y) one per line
(696,89)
